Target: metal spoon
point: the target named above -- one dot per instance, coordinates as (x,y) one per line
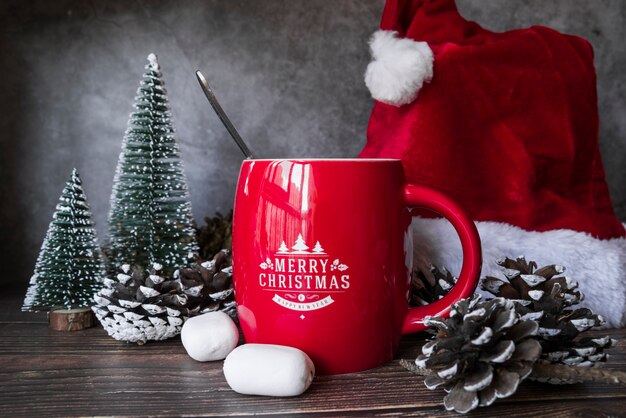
(222,115)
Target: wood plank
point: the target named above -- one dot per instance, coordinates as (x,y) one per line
(11,298)
(50,373)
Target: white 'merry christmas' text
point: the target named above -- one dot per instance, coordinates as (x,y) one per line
(304,281)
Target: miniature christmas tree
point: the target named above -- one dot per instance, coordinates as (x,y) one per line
(69,270)
(150,219)
(300,245)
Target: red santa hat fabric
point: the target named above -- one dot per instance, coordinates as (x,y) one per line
(507,125)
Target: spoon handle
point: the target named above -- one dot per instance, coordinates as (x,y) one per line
(222,115)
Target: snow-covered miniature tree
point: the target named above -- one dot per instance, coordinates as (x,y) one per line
(300,245)
(150,219)
(69,269)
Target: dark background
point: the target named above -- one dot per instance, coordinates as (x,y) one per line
(289,73)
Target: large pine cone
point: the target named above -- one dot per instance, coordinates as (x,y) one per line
(209,285)
(545,295)
(481,353)
(139,306)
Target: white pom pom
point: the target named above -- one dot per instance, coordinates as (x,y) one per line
(399,68)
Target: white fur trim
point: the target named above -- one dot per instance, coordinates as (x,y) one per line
(399,68)
(599,266)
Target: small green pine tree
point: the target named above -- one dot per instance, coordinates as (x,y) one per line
(150,219)
(69,269)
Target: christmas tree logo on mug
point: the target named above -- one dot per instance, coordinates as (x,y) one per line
(303,279)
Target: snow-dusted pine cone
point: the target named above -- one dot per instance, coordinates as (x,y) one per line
(546,296)
(481,353)
(139,306)
(428,288)
(209,285)
(216,235)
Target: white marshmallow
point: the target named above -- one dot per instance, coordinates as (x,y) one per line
(269,370)
(210,336)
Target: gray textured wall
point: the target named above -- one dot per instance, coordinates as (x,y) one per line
(288,72)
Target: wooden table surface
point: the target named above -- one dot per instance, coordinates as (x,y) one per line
(85,373)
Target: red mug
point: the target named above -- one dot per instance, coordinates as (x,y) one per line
(322,255)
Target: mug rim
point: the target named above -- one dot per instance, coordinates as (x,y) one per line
(297,159)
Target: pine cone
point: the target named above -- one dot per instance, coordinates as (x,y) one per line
(546,296)
(428,288)
(215,235)
(209,285)
(481,353)
(138,307)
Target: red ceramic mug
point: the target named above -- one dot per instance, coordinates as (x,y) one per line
(322,255)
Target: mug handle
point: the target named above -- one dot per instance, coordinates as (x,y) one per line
(421,196)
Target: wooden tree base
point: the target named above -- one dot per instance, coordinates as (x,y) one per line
(71,319)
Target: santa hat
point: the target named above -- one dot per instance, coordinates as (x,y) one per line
(507,125)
